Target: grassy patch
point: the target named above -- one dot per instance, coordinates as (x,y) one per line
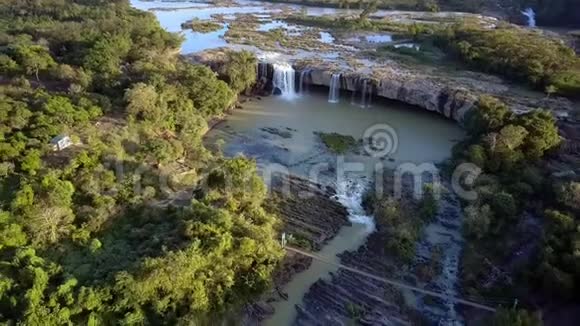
(337,143)
(349,23)
(423,52)
(515,53)
(300,241)
(246,32)
(202,26)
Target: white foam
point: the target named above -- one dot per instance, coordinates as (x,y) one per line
(334,89)
(284,79)
(350,194)
(269,57)
(531,14)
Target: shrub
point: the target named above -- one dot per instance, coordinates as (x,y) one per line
(490,114)
(337,143)
(503,205)
(477,221)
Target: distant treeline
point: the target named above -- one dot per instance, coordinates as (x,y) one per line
(564,13)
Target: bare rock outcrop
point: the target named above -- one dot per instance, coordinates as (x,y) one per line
(450,93)
(450,96)
(452,102)
(308,210)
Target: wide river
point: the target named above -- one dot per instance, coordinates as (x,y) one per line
(282,133)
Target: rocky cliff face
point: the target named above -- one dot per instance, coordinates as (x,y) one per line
(449,93)
(450,96)
(452,102)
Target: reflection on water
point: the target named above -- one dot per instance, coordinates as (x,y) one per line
(171,20)
(196,42)
(176,5)
(277,24)
(171,14)
(408,46)
(422,136)
(384,38)
(326,37)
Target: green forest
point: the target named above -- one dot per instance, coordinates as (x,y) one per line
(509,148)
(526,56)
(87,233)
(564,13)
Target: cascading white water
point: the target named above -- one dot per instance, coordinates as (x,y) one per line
(531,14)
(353,94)
(302,82)
(284,79)
(262,70)
(364,94)
(334,91)
(370,96)
(350,194)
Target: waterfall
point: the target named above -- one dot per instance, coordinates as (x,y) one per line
(531,14)
(284,80)
(262,70)
(303,82)
(353,94)
(334,91)
(350,194)
(364,94)
(368,95)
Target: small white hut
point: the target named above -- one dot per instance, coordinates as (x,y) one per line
(61,142)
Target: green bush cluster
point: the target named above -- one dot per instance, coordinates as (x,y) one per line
(505,147)
(202,26)
(516,53)
(337,143)
(402,221)
(509,149)
(239,70)
(402,227)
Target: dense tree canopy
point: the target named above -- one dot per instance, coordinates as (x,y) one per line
(516,53)
(89,234)
(508,149)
